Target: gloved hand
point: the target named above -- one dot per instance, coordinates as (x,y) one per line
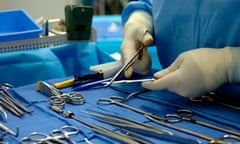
(134,34)
(198,71)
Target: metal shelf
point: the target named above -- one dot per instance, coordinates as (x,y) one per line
(36,43)
(28,44)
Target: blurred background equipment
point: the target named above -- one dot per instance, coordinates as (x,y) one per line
(54,8)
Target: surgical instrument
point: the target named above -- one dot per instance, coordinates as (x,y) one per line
(123,121)
(210,98)
(132,94)
(131,61)
(136,93)
(101,130)
(58,97)
(9,102)
(136,136)
(103,82)
(95,84)
(160,120)
(129,81)
(4,88)
(138,127)
(8,130)
(87,141)
(4,113)
(231,137)
(117,100)
(10,106)
(80,80)
(203,136)
(58,135)
(94,127)
(122,99)
(185,115)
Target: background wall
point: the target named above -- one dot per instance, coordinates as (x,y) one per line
(55,8)
(37,8)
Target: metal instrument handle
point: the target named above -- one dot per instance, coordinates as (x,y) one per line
(173,118)
(105,101)
(65,132)
(70,130)
(42,137)
(75,98)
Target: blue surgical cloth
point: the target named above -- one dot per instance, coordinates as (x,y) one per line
(29,66)
(159,103)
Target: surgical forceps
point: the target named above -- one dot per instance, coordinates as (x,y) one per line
(131,61)
(57,136)
(4,128)
(101,130)
(185,115)
(8,101)
(57,97)
(142,128)
(117,100)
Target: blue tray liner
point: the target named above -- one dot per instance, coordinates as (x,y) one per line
(78,57)
(18,68)
(157,102)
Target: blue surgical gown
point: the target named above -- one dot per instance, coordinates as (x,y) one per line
(181,25)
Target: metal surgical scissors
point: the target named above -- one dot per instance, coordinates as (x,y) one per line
(56,136)
(163,121)
(210,98)
(118,101)
(183,114)
(122,99)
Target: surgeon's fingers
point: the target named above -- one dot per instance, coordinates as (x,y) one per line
(143,64)
(161,73)
(166,78)
(128,49)
(166,82)
(147,39)
(173,67)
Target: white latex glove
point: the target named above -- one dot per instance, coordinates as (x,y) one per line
(199,71)
(134,33)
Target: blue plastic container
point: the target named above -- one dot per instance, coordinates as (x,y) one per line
(16,24)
